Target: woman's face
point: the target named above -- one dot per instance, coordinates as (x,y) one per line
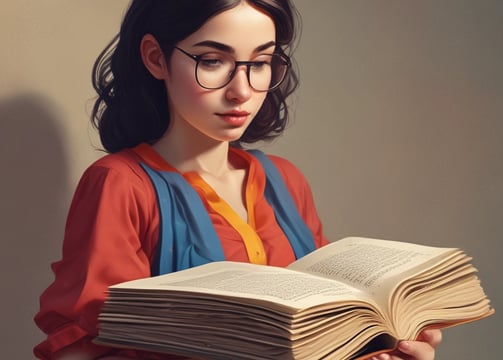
(242,33)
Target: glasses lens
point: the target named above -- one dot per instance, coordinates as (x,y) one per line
(268,72)
(214,70)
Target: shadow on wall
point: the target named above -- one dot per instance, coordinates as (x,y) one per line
(34,196)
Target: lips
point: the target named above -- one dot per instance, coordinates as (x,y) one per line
(234,118)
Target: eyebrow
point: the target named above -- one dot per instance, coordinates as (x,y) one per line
(223,47)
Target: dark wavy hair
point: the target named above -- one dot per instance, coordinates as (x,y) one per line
(132,106)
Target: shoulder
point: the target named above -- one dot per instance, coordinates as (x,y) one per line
(124,165)
(116,188)
(125,162)
(116,173)
(293,177)
(287,169)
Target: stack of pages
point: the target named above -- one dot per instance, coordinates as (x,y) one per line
(347,300)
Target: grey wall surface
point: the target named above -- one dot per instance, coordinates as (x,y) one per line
(397,127)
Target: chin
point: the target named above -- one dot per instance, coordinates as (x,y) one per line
(232,137)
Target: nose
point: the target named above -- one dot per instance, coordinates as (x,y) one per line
(239,90)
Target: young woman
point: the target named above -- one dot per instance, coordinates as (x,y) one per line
(182,89)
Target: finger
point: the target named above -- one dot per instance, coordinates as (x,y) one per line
(418,350)
(432,337)
(381,357)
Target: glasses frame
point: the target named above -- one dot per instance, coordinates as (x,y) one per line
(248,64)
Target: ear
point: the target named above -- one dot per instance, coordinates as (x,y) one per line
(153,57)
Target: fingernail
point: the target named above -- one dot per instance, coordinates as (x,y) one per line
(381,357)
(404,345)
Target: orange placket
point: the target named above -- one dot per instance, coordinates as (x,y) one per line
(253,243)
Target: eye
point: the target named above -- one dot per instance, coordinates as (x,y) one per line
(212,61)
(257,65)
(261,63)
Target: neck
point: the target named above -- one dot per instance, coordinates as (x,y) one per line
(209,157)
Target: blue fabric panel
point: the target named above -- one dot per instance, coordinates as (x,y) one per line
(286,212)
(187,236)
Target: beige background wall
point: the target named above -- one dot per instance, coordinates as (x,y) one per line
(398,127)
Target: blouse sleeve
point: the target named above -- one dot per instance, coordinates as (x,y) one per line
(109,238)
(303,197)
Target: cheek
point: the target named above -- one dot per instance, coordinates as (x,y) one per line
(182,79)
(183,90)
(259,101)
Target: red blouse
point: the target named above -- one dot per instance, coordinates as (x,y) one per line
(112,231)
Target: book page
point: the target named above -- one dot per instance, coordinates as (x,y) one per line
(369,264)
(289,288)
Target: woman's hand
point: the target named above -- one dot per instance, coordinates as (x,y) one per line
(421,349)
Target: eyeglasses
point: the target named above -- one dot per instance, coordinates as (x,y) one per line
(215,70)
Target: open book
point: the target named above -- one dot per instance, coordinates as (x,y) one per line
(347,300)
